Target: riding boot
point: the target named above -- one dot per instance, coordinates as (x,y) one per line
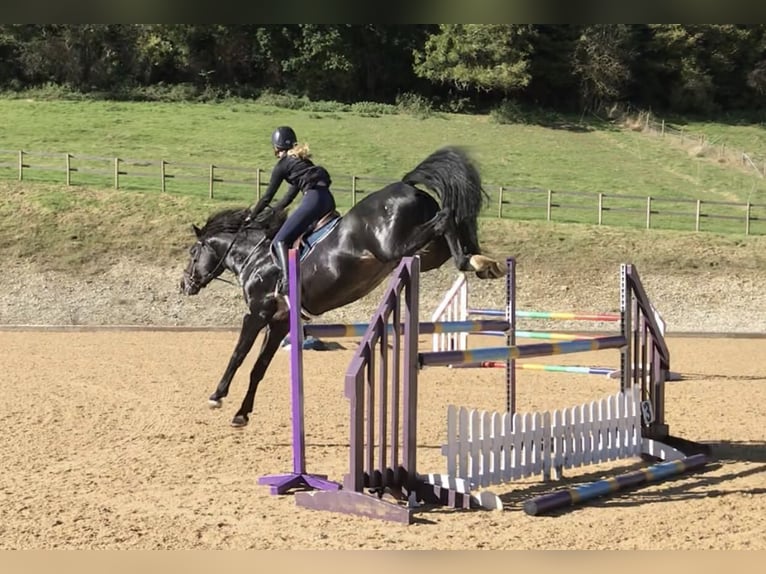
(281,250)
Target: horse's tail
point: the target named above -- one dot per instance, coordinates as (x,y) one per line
(451,174)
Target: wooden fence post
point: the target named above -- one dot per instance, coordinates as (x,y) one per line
(500,204)
(697,215)
(21,165)
(68,164)
(162,175)
(747,219)
(212,179)
(649,212)
(116,173)
(550,198)
(600,206)
(353,190)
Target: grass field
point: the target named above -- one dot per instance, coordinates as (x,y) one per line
(575,160)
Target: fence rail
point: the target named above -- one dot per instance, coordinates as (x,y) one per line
(242,183)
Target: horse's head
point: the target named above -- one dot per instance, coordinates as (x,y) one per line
(205,264)
(226,231)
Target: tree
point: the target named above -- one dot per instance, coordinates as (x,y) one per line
(483,57)
(601,61)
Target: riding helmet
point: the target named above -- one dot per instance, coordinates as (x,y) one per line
(283,138)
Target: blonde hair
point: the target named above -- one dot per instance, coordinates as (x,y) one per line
(300,150)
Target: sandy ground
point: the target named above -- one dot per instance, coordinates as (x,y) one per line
(108,444)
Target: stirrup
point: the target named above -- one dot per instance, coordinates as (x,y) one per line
(283,297)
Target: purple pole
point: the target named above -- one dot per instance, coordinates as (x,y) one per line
(281,483)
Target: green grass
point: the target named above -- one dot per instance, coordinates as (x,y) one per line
(84,229)
(625,165)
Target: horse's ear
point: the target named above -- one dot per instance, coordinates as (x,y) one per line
(197,231)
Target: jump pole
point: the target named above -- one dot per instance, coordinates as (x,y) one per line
(445,358)
(579,370)
(298,478)
(330,330)
(579,494)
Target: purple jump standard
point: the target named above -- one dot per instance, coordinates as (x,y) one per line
(579,494)
(299,478)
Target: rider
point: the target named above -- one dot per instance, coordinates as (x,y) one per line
(296,168)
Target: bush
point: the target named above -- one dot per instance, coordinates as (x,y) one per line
(414,105)
(288,101)
(327,106)
(507,112)
(373,109)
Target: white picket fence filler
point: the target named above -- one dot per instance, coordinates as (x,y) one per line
(485,448)
(453,307)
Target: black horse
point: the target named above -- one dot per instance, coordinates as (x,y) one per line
(350,261)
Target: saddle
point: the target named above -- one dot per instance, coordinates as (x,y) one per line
(315,233)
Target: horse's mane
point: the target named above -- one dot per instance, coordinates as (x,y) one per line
(231,220)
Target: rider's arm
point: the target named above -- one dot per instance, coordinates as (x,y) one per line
(288,198)
(277,177)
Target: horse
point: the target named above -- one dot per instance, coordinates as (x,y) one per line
(350,260)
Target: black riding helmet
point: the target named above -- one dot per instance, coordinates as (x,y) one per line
(283,138)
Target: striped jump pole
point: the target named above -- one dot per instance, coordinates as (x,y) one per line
(441,358)
(552,315)
(359,329)
(606,371)
(579,494)
(545,335)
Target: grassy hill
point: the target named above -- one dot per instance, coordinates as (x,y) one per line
(86,224)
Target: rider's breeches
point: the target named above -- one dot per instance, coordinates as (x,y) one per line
(315,203)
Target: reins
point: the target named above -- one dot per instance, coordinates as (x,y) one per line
(207,278)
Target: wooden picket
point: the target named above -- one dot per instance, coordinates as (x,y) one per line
(485,448)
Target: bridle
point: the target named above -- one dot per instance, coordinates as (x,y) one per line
(212,275)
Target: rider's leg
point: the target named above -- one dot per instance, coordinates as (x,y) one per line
(315,203)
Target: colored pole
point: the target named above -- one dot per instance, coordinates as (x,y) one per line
(553,336)
(579,494)
(539,367)
(359,329)
(566,369)
(558,315)
(442,358)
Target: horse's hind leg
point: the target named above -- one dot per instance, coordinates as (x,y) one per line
(251,326)
(274,334)
(484,267)
(440,226)
(421,236)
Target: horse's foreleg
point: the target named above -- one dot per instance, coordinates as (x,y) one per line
(275,333)
(251,326)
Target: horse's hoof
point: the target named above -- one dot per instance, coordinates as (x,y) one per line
(239,421)
(498,270)
(486,268)
(215,403)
